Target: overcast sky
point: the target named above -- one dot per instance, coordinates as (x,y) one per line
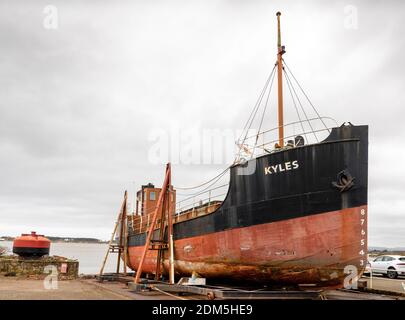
(79,102)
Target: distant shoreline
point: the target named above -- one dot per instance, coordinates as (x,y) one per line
(63,240)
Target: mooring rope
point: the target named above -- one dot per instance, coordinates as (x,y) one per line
(167,293)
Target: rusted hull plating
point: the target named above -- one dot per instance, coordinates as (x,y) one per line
(314,249)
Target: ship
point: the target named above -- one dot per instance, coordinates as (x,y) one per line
(295,214)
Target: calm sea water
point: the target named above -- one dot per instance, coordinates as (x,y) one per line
(90,255)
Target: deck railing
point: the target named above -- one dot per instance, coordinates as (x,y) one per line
(265,141)
(200,203)
(200,198)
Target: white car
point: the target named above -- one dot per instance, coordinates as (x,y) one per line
(391,265)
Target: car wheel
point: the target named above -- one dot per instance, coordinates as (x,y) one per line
(392,274)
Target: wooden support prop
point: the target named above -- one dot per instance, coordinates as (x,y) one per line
(162,227)
(121,219)
(108,249)
(124,234)
(170,231)
(159,206)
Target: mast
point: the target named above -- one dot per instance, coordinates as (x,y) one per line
(280,52)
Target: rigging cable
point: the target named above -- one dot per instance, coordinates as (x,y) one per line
(216,178)
(302,90)
(205,183)
(257,102)
(206,188)
(264,112)
(257,106)
(296,109)
(302,108)
(253,113)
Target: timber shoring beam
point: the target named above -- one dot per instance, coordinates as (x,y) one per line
(160,209)
(122,215)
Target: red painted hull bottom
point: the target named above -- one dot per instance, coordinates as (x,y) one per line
(308,250)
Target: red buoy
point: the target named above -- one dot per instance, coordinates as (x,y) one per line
(31,245)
